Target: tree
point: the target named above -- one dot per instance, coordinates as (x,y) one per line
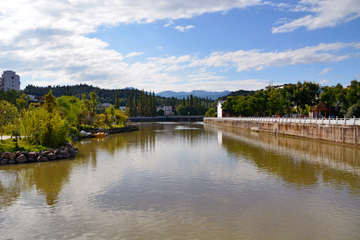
(130,106)
(117,104)
(161,112)
(8,116)
(92,102)
(135,105)
(50,102)
(210,113)
(354,111)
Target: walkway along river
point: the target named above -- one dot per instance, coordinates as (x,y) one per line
(186,181)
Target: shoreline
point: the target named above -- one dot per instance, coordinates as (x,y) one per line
(340,134)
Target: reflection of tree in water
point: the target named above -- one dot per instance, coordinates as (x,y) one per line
(298,161)
(48,179)
(9,191)
(294,172)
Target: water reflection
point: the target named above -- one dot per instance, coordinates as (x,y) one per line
(186,181)
(299,162)
(46,178)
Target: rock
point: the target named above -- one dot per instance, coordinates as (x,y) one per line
(12,161)
(32,155)
(5,155)
(51,150)
(25,153)
(45,152)
(21,159)
(42,159)
(18,153)
(31,159)
(65,153)
(4,161)
(12,156)
(71,152)
(59,156)
(51,156)
(56,152)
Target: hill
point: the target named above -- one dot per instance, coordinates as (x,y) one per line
(197,93)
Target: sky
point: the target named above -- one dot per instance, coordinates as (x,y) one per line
(180,45)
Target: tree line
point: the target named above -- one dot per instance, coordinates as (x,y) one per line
(52,123)
(297,98)
(144,105)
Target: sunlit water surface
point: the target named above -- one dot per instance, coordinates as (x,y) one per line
(186,181)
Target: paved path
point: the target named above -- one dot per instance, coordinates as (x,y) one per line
(5,137)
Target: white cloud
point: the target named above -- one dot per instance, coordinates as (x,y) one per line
(324,81)
(325,13)
(46,40)
(183,29)
(326,70)
(260,68)
(169,23)
(134,54)
(254,59)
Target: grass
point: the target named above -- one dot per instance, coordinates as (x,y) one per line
(8,145)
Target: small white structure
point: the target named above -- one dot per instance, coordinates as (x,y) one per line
(105,105)
(123,108)
(9,81)
(219,109)
(168,110)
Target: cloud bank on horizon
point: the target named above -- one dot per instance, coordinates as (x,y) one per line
(180,45)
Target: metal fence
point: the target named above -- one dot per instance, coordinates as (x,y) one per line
(340,121)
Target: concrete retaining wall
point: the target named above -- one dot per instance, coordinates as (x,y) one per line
(347,134)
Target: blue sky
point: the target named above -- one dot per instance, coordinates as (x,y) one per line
(181,45)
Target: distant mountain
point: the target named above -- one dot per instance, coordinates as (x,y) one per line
(197,93)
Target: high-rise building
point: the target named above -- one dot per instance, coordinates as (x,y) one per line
(9,80)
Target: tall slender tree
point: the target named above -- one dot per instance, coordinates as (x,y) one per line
(117,104)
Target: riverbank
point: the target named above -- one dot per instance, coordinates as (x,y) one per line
(63,152)
(340,133)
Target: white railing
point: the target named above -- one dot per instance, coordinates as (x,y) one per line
(347,121)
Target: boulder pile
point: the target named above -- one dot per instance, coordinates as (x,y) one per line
(63,152)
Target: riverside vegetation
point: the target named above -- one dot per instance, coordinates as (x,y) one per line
(53,123)
(297,98)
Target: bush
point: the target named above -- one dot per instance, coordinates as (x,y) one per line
(354,110)
(211,113)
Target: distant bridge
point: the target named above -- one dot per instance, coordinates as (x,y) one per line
(168,119)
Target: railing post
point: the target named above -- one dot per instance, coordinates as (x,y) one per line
(345,119)
(337,120)
(354,120)
(329,119)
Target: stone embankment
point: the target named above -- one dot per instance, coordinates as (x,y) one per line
(339,133)
(63,152)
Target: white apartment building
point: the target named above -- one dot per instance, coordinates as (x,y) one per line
(168,110)
(9,80)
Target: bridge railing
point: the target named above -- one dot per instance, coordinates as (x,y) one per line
(342,121)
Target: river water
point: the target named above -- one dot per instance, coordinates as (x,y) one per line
(186,181)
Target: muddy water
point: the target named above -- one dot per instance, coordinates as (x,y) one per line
(186,181)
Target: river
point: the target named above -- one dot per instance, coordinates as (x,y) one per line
(186,181)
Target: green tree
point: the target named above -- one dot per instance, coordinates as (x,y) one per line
(8,116)
(130,106)
(117,104)
(93,102)
(50,102)
(210,113)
